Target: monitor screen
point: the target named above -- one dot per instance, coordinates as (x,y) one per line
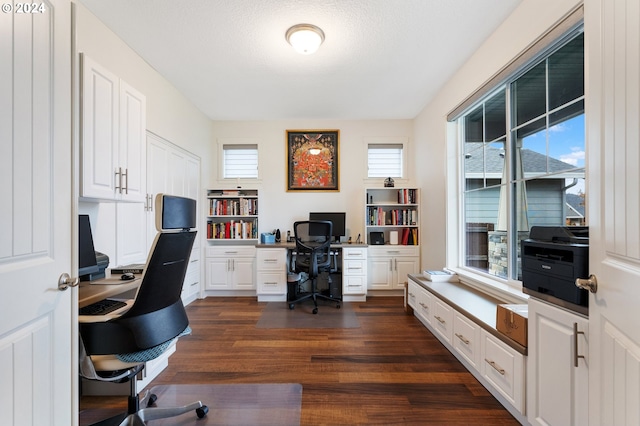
(175,212)
(87,263)
(338,220)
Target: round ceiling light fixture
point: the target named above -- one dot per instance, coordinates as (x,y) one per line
(305,38)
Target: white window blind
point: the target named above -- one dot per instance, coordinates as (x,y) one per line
(385,160)
(240,161)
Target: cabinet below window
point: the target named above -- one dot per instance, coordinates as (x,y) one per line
(464,320)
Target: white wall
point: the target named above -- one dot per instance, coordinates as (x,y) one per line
(169,114)
(435,138)
(279,208)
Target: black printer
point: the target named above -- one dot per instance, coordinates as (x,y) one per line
(552,258)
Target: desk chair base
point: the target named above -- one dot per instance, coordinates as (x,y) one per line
(136,416)
(315,294)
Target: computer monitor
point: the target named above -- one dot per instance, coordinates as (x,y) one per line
(87,262)
(338,220)
(175,212)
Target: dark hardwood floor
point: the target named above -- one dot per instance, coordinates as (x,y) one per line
(390,371)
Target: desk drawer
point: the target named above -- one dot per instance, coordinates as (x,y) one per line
(503,367)
(354,267)
(271,259)
(354,253)
(354,284)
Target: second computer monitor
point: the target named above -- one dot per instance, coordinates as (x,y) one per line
(338,220)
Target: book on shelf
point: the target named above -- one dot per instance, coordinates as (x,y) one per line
(134,268)
(443,275)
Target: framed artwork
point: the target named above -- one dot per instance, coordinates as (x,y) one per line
(312,160)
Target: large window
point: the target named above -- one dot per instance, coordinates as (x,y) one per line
(523,150)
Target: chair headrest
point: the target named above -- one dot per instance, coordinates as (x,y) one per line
(175,213)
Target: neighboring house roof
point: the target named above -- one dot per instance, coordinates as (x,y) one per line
(533,162)
(576,204)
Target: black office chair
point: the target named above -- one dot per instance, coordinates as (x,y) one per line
(115,349)
(313,256)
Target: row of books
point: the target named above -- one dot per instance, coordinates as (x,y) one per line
(240,207)
(232,230)
(409,237)
(407,196)
(377,216)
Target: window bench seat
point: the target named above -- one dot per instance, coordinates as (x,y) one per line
(464,320)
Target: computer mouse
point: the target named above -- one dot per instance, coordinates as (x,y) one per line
(127,276)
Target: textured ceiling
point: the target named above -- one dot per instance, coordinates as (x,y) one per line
(381,59)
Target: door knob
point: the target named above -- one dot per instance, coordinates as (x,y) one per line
(65,281)
(590,283)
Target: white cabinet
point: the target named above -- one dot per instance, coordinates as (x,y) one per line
(469,335)
(503,368)
(173,170)
(558,375)
(271,274)
(113,125)
(230,269)
(131,246)
(466,339)
(354,274)
(390,265)
(442,320)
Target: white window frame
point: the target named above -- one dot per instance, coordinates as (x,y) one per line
(224,142)
(508,288)
(386,141)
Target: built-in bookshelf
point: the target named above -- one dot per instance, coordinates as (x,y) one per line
(232,215)
(394,212)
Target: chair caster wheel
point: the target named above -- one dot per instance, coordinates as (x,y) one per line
(291,305)
(315,310)
(202,411)
(338,306)
(152,399)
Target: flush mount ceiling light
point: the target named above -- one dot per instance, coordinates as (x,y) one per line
(305,38)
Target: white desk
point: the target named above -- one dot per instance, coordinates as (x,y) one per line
(272,267)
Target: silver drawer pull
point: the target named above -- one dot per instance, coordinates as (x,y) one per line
(423,305)
(355,268)
(495,366)
(270,283)
(411,294)
(271,260)
(464,339)
(230,252)
(440,320)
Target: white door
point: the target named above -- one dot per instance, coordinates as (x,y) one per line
(132,142)
(37,353)
(612,31)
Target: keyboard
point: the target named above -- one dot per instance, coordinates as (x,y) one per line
(102,307)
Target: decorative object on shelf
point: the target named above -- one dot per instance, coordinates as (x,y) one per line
(312,160)
(389,183)
(278,236)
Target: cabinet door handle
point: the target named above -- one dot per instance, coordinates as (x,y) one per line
(576,357)
(126,181)
(495,366)
(464,339)
(391,264)
(440,320)
(118,173)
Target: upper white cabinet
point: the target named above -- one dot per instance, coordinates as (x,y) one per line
(112,129)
